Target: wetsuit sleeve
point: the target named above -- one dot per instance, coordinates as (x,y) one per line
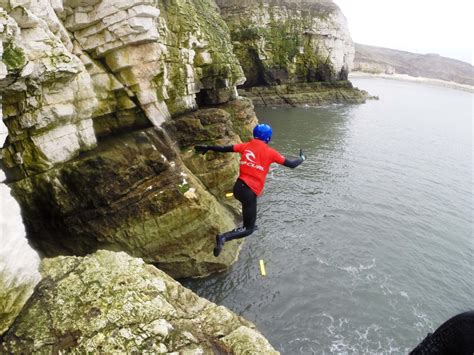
(293,163)
(220,148)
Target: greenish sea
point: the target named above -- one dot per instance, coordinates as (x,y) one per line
(369,244)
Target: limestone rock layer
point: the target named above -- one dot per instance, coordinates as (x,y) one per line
(109,302)
(306,94)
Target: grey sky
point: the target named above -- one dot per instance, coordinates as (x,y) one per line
(420,26)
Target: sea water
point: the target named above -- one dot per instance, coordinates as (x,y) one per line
(368,245)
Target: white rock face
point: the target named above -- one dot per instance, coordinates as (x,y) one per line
(142,51)
(18,261)
(48,98)
(335,41)
(117,64)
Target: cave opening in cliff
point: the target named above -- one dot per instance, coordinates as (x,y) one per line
(253,70)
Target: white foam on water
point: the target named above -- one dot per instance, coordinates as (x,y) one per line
(355,270)
(404,294)
(423,319)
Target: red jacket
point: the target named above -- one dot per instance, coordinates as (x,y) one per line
(256,158)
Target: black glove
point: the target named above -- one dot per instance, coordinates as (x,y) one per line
(302,156)
(201,149)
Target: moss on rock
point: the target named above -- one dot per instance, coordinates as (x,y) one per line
(13,56)
(110,302)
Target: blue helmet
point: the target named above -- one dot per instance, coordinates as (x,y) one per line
(263,132)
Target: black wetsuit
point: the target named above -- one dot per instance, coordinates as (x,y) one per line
(248,199)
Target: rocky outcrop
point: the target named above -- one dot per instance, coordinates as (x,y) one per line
(293,53)
(282,42)
(377,60)
(306,94)
(86,87)
(109,302)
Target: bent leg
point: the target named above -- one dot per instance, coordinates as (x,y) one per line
(249,203)
(248,198)
(237,233)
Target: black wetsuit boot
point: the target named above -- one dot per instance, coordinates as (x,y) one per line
(248,198)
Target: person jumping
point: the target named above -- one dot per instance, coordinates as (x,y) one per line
(256,158)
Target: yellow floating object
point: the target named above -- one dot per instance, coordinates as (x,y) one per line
(229,195)
(262,268)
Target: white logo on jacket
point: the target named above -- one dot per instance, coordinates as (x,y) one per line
(250,156)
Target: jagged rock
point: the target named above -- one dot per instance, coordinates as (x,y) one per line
(164,52)
(110,302)
(130,193)
(281,42)
(122,54)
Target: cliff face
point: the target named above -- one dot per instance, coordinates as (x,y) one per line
(109,302)
(288,41)
(86,86)
(377,60)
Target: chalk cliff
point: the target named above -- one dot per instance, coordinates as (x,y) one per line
(86,88)
(289,41)
(110,302)
(293,53)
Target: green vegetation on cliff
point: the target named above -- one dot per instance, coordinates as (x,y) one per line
(283,43)
(13,56)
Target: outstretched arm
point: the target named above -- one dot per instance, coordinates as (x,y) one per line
(216,148)
(293,163)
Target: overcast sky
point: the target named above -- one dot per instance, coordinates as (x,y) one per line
(420,26)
